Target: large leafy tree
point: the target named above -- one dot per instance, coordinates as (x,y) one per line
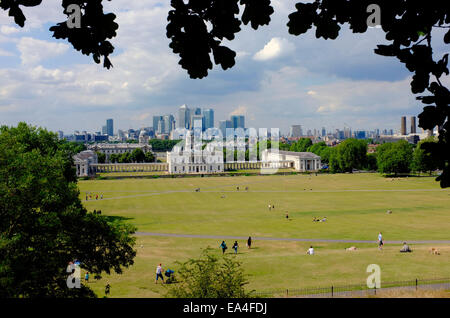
(423,161)
(43,224)
(198,28)
(395,158)
(348,155)
(210,276)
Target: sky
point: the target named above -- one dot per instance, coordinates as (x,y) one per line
(278,80)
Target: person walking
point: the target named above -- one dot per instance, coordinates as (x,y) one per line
(86,277)
(159,273)
(235,247)
(249,242)
(223,246)
(380,241)
(107,289)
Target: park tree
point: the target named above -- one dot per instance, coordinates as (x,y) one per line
(348,155)
(371,163)
(210,276)
(423,161)
(394,158)
(149,157)
(101,157)
(44,226)
(301,145)
(199,30)
(138,155)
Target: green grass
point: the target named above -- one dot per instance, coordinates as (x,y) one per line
(355,206)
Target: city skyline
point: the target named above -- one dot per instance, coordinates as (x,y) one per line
(278,80)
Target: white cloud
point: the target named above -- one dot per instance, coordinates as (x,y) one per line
(6,29)
(32,51)
(276,47)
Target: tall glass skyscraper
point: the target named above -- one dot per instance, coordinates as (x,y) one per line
(238,121)
(208,114)
(109,127)
(184,117)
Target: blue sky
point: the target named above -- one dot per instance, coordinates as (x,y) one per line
(278,80)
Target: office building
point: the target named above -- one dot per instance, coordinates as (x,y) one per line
(184,117)
(109,127)
(413,125)
(208,115)
(403,126)
(296,131)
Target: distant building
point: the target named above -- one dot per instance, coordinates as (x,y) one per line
(83,162)
(184,117)
(109,149)
(413,125)
(237,121)
(189,158)
(109,127)
(208,114)
(403,126)
(296,131)
(300,161)
(223,125)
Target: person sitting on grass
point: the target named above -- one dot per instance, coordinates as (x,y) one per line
(405,248)
(310,251)
(170,276)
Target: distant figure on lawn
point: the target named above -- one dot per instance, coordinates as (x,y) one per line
(107,289)
(249,242)
(246,188)
(159,273)
(235,247)
(380,241)
(324,219)
(405,248)
(237,188)
(270,207)
(351,248)
(310,251)
(287,216)
(86,277)
(223,246)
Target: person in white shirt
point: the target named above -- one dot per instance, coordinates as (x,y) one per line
(310,251)
(380,241)
(159,273)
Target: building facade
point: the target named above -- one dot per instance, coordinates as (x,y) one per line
(300,161)
(188,157)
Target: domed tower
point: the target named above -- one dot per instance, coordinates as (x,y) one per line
(143,137)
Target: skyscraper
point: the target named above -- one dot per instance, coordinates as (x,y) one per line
(403,126)
(156,120)
(169,121)
(223,125)
(413,125)
(197,112)
(295,131)
(238,121)
(109,127)
(208,114)
(184,117)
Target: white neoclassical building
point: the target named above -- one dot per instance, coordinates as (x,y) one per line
(300,161)
(189,157)
(108,149)
(83,162)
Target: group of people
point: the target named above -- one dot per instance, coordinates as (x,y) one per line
(224,247)
(271,206)
(168,273)
(237,188)
(90,196)
(324,219)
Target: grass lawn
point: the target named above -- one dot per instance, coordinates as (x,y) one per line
(355,206)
